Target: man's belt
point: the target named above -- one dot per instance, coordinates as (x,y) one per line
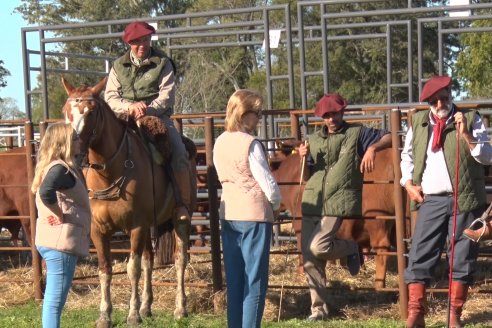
(442,194)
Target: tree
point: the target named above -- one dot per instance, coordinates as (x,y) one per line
(473,65)
(9,110)
(57,12)
(3,74)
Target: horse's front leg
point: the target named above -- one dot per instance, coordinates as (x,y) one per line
(105,275)
(182,229)
(147,267)
(134,270)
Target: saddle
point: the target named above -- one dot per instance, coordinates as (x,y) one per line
(153,133)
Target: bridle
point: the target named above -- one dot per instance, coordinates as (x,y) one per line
(114,190)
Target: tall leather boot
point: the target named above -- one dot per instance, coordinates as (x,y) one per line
(183,184)
(459,293)
(483,233)
(416,305)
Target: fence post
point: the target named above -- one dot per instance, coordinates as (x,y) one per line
(295,132)
(399,211)
(36,259)
(213,201)
(42,128)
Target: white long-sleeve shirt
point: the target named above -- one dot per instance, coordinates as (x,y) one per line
(435,179)
(261,172)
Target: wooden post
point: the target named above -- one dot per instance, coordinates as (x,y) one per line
(213,201)
(9,142)
(399,212)
(295,132)
(36,258)
(42,128)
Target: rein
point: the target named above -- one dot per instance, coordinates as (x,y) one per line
(115,189)
(102,166)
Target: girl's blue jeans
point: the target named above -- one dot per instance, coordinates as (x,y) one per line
(60,269)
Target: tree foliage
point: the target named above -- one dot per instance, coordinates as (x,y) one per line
(57,12)
(9,110)
(207,76)
(3,74)
(474,63)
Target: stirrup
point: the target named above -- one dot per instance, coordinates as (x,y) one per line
(182,213)
(483,225)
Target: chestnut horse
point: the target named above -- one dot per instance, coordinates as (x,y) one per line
(377,200)
(14,193)
(129,193)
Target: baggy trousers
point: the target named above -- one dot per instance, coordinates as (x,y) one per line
(319,245)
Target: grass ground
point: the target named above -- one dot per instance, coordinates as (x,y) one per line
(353,302)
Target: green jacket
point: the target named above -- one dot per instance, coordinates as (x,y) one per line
(471,177)
(335,187)
(140,83)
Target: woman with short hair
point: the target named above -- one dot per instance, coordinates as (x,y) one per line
(249,204)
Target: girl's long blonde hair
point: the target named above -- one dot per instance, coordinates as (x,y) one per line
(241,102)
(56,145)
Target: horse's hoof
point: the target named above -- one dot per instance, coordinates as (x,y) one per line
(180,314)
(103,323)
(379,284)
(133,320)
(145,313)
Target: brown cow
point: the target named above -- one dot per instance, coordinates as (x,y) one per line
(14,193)
(377,200)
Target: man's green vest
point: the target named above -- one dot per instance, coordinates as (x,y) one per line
(140,83)
(335,188)
(471,180)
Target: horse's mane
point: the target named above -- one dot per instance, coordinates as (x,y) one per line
(121,118)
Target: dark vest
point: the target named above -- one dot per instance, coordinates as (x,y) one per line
(140,83)
(471,180)
(335,188)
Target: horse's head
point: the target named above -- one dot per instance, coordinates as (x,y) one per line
(81,104)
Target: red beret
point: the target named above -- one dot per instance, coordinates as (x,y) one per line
(137,30)
(331,102)
(432,86)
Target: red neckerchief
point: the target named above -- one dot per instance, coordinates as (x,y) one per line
(437,130)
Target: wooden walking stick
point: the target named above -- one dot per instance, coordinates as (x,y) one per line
(296,204)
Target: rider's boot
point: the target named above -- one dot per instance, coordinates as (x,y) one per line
(183,184)
(459,293)
(482,233)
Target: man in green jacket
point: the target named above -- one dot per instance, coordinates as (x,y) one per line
(428,167)
(340,152)
(141,83)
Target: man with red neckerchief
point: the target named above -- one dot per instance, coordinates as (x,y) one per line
(428,165)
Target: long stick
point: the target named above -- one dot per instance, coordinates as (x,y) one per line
(303,163)
(455,210)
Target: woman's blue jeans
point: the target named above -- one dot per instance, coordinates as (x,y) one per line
(246,248)
(60,268)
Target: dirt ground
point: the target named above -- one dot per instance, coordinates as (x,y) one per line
(351,297)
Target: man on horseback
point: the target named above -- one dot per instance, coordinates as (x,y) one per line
(140,83)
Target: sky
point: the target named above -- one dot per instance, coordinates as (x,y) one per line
(11,52)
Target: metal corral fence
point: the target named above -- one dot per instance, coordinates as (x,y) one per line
(201,30)
(400,78)
(209,191)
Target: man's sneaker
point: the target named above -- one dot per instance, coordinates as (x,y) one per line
(353,263)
